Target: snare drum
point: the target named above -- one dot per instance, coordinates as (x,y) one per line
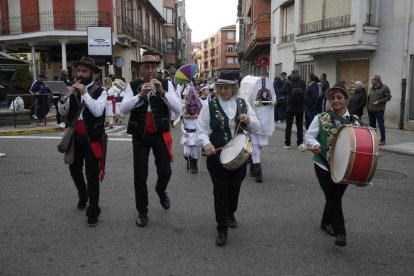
(354,155)
(236,152)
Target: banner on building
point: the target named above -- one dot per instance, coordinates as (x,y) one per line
(99,41)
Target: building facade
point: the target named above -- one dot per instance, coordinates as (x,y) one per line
(254,34)
(218,53)
(52,34)
(349,40)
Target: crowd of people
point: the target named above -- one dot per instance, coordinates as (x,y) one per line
(212,116)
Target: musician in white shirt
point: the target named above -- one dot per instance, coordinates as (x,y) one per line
(215,128)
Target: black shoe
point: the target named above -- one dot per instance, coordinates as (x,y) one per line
(82,204)
(194,167)
(93,222)
(340,240)
(221,239)
(328,229)
(231,221)
(252,170)
(258,169)
(164,200)
(142,220)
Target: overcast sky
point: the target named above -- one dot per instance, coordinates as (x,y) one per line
(205,18)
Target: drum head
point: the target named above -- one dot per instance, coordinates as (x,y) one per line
(340,154)
(228,154)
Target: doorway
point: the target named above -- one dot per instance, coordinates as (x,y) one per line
(351,71)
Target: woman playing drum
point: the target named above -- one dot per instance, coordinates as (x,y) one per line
(318,139)
(216,126)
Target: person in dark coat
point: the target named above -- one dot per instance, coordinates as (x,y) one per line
(294,92)
(280,106)
(42,94)
(311,99)
(358,100)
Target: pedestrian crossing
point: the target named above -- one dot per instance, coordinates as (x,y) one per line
(117,131)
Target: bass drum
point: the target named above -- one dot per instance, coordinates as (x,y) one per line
(236,152)
(354,155)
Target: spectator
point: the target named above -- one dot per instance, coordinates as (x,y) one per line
(294,91)
(322,99)
(280,106)
(311,99)
(42,93)
(358,100)
(378,96)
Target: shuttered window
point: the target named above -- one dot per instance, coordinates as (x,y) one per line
(335,8)
(86,13)
(46,15)
(312,11)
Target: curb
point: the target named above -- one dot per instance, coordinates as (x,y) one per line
(29,131)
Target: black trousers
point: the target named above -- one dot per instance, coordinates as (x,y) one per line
(89,189)
(299,127)
(226,189)
(141,148)
(332,213)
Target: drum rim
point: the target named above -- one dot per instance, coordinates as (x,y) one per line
(351,155)
(233,138)
(374,162)
(243,154)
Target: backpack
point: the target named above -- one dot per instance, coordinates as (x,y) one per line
(296,98)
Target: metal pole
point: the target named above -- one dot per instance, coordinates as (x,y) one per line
(402,108)
(14,114)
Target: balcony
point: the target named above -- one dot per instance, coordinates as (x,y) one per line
(258,38)
(326,24)
(287,39)
(336,35)
(52,21)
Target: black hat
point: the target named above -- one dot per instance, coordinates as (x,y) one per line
(42,76)
(149,57)
(337,87)
(226,77)
(89,62)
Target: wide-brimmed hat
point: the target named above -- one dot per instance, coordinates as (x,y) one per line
(120,84)
(337,87)
(88,62)
(149,58)
(226,77)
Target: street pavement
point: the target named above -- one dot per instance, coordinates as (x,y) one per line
(42,232)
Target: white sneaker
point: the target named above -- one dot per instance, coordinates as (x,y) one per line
(286,147)
(2,154)
(34,117)
(61,125)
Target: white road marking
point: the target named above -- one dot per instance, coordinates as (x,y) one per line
(55,138)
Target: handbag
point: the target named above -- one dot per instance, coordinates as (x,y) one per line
(69,155)
(67,139)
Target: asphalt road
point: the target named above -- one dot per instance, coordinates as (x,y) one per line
(42,232)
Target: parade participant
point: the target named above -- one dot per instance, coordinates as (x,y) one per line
(318,139)
(192,107)
(42,94)
(215,127)
(88,133)
(358,100)
(204,94)
(149,102)
(378,96)
(261,96)
(110,110)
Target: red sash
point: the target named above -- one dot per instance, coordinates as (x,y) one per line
(149,123)
(113,100)
(80,129)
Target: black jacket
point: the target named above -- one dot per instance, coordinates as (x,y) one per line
(295,82)
(357,102)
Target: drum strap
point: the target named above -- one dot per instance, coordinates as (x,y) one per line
(341,119)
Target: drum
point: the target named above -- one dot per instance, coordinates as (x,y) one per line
(354,155)
(236,152)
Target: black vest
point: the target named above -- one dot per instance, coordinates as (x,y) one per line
(94,126)
(160,112)
(219,122)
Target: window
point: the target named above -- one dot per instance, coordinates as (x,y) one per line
(230,60)
(230,35)
(230,48)
(170,44)
(169,16)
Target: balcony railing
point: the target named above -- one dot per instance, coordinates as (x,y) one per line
(49,21)
(288,38)
(326,24)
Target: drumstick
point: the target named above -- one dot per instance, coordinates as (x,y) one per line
(227,146)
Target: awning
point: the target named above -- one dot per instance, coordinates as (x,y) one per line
(6,59)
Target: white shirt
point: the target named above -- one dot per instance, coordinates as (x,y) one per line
(130,101)
(96,107)
(230,108)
